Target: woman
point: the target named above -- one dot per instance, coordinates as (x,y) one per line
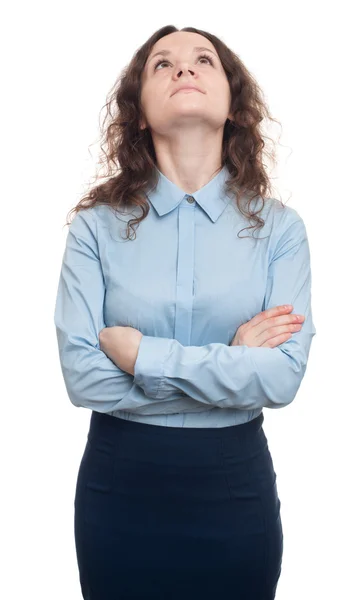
(178,338)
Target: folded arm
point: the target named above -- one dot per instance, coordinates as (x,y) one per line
(240,376)
(92,380)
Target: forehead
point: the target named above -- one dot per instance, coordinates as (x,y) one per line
(181,39)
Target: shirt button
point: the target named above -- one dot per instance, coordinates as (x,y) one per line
(190,199)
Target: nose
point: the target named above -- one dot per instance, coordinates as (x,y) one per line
(183,67)
(182,70)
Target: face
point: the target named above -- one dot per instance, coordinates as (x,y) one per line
(164,108)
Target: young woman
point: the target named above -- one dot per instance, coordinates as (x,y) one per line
(177,338)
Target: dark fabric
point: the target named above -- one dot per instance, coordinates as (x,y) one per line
(169,513)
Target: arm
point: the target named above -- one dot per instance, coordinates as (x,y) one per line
(92,380)
(240,376)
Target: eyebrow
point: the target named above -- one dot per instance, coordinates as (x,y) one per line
(195,49)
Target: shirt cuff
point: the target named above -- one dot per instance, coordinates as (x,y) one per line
(151,356)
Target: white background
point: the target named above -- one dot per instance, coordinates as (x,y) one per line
(58,62)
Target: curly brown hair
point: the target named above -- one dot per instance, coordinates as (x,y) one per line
(128,151)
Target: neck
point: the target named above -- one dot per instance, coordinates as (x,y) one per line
(189,161)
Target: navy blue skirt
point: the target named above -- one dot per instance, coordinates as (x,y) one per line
(166,513)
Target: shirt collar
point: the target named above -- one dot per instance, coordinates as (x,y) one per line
(212,197)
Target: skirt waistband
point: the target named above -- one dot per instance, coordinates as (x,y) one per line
(102,422)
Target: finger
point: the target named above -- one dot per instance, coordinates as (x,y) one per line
(270,312)
(276,341)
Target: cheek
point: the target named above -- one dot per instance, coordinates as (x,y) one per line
(223,90)
(150,98)
(223,100)
(155,105)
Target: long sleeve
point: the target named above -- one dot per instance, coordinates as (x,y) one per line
(92,380)
(240,376)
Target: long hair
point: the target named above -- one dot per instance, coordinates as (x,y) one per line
(128,152)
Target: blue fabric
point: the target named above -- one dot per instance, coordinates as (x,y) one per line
(176,513)
(187,282)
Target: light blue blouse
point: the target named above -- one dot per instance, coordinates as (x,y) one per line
(187,282)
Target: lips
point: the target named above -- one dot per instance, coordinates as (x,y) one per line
(186,87)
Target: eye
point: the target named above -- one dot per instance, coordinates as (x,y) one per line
(161,61)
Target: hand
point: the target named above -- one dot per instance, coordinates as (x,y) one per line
(121,345)
(269,328)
